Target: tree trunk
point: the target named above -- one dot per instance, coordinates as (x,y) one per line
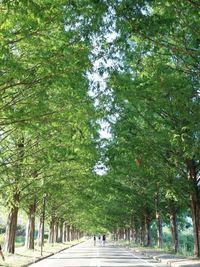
(56,232)
(68,233)
(61,231)
(148,230)
(174,230)
(12,217)
(136,235)
(65,232)
(117,234)
(78,234)
(39,238)
(142,234)
(126,234)
(135,231)
(196,227)
(72,233)
(158,220)
(120,233)
(159,230)
(11,230)
(30,229)
(131,233)
(51,231)
(195,204)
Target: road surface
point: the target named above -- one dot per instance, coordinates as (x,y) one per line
(88,255)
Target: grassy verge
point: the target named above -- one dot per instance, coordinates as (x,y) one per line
(166,250)
(25,256)
(132,245)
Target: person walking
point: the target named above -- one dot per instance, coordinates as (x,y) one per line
(104,240)
(94,240)
(2,254)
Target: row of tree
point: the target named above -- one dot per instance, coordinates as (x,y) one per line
(49,129)
(48,123)
(153,156)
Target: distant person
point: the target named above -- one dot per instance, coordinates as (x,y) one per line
(94,240)
(2,254)
(104,240)
(99,239)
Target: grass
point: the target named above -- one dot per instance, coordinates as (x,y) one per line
(166,249)
(140,247)
(24,256)
(186,243)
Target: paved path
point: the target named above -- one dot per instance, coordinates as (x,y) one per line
(86,255)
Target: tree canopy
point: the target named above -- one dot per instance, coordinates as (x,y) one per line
(68,66)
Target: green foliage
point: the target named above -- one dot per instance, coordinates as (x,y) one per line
(20,230)
(154,111)
(186,243)
(2,228)
(49,139)
(48,119)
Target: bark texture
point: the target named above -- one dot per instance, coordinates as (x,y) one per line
(11,230)
(68,233)
(30,229)
(195,204)
(60,239)
(158,220)
(51,231)
(56,232)
(142,232)
(159,230)
(39,238)
(148,230)
(174,230)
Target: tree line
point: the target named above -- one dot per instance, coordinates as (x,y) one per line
(49,122)
(153,156)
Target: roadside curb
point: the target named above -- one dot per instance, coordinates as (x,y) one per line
(146,254)
(53,253)
(175,263)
